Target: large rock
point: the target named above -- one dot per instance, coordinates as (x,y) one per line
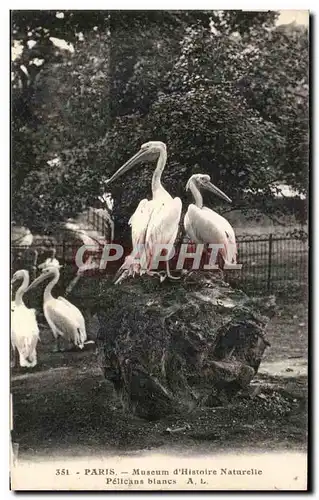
(169,346)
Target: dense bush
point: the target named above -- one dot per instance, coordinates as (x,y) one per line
(226,90)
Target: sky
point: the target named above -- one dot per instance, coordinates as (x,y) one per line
(289,16)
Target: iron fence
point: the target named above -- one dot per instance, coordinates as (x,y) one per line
(270,263)
(101,221)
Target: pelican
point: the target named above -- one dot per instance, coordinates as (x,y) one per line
(203,225)
(154,221)
(24,326)
(64,319)
(50,261)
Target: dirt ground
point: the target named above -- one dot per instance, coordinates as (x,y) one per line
(65,407)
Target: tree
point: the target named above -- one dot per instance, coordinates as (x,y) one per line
(276,84)
(226,90)
(206,115)
(65,130)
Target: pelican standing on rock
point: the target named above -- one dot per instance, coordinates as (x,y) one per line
(203,225)
(24,326)
(155,221)
(64,319)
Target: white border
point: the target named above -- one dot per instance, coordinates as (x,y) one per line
(164,5)
(4,247)
(5,147)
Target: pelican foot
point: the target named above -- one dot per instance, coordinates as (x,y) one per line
(174,277)
(169,275)
(161,274)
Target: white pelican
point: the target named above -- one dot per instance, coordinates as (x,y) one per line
(203,225)
(154,221)
(64,319)
(24,326)
(50,261)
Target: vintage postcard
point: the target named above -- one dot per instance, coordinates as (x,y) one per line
(159,250)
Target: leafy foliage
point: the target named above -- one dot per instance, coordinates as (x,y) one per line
(226,90)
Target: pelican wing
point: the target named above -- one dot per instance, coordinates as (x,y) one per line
(206,226)
(24,321)
(218,219)
(231,246)
(140,220)
(75,311)
(25,334)
(64,317)
(163,225)
(139,223)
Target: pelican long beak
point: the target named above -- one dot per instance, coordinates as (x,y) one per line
(141,156)
(37,281)
(14,279)
(217,191)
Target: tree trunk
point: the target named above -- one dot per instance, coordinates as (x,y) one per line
(171,346)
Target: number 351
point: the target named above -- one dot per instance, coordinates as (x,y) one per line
(62,472)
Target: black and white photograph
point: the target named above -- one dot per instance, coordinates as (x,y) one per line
(159,250)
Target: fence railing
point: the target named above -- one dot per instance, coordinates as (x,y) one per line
(270,263)
(101,221)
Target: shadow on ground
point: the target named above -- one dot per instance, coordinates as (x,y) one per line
(64,406)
